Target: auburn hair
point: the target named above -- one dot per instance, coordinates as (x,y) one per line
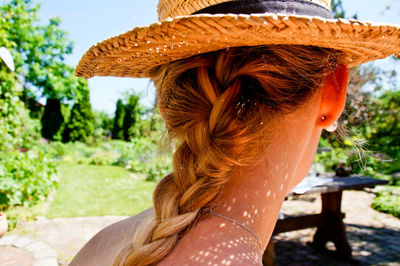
(217,106)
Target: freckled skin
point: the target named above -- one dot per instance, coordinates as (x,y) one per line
(253,196)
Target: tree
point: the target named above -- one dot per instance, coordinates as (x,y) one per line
(384,131)
(39,51)
(103,125)
(118,132)
(132,117)
(17,129)
(81,123)
(52,120)
(337,9)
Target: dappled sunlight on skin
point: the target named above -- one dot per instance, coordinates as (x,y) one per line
(227,244)
(213,255)
(102,249)
(223,249)
(254,196)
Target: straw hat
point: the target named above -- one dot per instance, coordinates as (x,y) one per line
(190,27)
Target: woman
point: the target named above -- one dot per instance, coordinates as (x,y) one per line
(246,98)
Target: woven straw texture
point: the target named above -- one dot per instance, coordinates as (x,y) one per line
(135,53)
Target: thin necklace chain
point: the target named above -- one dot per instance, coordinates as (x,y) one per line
(238,223)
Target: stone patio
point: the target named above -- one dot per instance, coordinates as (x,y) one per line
(373,236)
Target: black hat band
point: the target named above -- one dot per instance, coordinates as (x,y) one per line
(287,7)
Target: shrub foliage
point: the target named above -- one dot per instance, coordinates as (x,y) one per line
(117,131)
(26,175)
(388,201)
(81,123)
(52,120)
(25,178)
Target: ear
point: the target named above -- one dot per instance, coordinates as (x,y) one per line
(333,96)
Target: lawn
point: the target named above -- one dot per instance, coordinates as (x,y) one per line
(89,190)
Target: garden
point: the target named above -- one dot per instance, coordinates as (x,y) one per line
(64,159)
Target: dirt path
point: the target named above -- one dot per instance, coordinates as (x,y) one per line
(374,236)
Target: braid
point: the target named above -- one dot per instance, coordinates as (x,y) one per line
(215,105)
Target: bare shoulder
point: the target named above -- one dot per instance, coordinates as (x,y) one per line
(210,242)
(106,244)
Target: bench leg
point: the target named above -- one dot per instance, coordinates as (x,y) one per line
(334,228)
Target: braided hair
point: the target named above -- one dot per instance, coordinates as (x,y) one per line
(217,107)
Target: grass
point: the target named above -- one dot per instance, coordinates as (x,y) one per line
(88,190)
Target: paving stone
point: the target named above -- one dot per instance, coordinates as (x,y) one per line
(44,253)
(46,262)
(365,253)
(36,245)
(12,256)
(393,242)
(22,242)
(22,251)
(313,257)
(7,240)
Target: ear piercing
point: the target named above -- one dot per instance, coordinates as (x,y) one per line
(332,127)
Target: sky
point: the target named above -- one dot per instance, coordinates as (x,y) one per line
(91,21)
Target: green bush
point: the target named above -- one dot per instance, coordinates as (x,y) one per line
(81,122)
(17,129)
(103,124)
(140,150)
(359,159)
(25,178)
(388,201)
(103,158)
(52,120)
(141,155)
(131,117)
(117,131)
(158,168)
(328,160)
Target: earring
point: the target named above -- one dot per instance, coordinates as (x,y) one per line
(332,127)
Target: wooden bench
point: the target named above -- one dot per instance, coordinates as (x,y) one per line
(329,222)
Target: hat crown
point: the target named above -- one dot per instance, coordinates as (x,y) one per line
(175,8)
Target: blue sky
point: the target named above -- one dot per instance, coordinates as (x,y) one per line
(90,21)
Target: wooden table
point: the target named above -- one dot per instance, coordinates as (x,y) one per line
(329,222)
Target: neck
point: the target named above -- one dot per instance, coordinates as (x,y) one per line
(253,196)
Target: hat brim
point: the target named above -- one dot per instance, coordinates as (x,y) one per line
(136,52)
